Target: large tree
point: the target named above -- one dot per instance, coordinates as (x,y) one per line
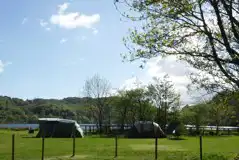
(133,105)
(204,33)
(97,89)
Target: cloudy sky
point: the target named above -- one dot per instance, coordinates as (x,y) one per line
(49,48)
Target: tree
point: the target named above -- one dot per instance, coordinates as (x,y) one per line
(203,33)
(122,108)
(140,104)
(221,111)
(163,95)
(133,105)
(195,115)
(97,88)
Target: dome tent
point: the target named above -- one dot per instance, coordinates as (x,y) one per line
(59,128)
(145,129)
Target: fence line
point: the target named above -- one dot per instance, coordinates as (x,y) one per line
(116,147)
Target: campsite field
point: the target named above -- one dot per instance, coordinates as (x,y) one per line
(128,149)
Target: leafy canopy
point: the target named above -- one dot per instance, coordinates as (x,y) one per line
(203,33)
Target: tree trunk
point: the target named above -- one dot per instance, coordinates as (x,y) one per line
(122,127)
(100,122)
(217,130)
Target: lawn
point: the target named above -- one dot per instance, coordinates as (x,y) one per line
(128,149)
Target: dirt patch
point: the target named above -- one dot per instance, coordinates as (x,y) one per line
(160,147)
(67,157)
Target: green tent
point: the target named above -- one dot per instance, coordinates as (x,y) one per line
(145,129)
(59,128)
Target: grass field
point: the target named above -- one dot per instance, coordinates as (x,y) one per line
(128,149)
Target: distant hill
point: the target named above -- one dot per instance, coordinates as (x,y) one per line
(15,110)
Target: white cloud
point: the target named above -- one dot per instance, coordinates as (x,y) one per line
(177,71)
(95,31)
(72,20)
(24,20)
(132,83)
(62,7)
(158,67)
(45,25)
(3,65)
(63,40)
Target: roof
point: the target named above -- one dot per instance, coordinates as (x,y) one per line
(57,120)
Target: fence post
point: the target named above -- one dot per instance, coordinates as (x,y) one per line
(116,146)
(156,148)
(74,146)
(13,146)
(43,147)
(200,137)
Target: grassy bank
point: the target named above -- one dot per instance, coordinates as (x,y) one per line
(103,148)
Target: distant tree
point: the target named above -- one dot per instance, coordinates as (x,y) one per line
(196,115)
(131,106)
(97,88)
(163,95)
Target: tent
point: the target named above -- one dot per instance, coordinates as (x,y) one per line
(60,128)
(145,129)
(171,129)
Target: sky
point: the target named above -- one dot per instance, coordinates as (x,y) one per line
(49,48)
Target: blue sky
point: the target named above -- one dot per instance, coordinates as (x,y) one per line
(49,48)
(43,59)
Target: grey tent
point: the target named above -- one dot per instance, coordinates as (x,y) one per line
(145,129)
(60,128)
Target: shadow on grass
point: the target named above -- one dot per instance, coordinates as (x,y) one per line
(28,137)
(176,138)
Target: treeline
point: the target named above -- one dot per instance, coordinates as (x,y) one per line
(157,102)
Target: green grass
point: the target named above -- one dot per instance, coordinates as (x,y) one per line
(128,149)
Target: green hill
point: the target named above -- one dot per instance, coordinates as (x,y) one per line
(15,110)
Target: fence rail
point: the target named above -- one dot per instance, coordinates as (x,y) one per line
(93,127)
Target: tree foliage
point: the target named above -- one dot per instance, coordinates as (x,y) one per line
(203,33)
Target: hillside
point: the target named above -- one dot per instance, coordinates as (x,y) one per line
(15,110)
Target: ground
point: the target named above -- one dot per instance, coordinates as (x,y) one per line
(128,149)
